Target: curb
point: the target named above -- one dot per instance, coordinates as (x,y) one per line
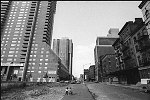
(93,94)
(125,86)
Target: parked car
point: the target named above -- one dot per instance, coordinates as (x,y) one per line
(66,81)
(73,82)
(78,82)
(145,85)
(96,82)
(62,81)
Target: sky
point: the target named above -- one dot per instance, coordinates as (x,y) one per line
(84,21)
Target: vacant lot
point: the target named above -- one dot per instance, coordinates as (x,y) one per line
(35,91)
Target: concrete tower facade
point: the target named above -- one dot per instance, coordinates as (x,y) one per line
(26,40)
(64,49)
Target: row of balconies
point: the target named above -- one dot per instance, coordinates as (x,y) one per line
(27,35)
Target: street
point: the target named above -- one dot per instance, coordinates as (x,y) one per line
(111,92)
(80,92)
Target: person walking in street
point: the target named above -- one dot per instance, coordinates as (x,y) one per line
(66,93)
(70,91)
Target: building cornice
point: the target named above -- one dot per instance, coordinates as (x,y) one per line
(142,4)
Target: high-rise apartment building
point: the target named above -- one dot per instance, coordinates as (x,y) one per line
(26,41)
(64,49)
(5,6)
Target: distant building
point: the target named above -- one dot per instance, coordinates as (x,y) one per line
(86,75)
(105,40)
(132,51)
(109,67)
(81,78)
(113,32)
(92,73)
(64,49)
(103,47)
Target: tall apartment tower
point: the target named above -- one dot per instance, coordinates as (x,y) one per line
(64,49)
(26,38)
(5,6)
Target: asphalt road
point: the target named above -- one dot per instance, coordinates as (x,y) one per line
(110,92)
(80,92)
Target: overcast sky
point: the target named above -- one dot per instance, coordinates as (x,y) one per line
(84,21)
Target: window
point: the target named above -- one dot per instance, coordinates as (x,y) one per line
(46,55)
(9,59)
(34,55)
(46,63)
(20,14)
(19,20)
(41,59)
(40,67)
(10,55)
(45,67)
(39,71)
(14,38)
(14,41)
(46,59)
(13,44)
(20,17)
(12,48)
(33,59)
(17,28)
(15,34)
(17,25)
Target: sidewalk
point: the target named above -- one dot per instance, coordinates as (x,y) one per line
(80,92)
(127,86)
